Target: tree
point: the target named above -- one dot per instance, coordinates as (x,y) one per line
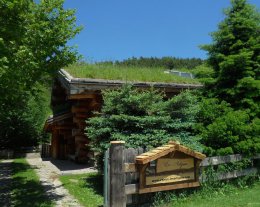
(234,56)
(143,119)
(33,45)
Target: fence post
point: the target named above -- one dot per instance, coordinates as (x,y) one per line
(106,179)
(117,174)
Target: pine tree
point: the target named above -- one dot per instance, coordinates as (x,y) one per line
(235,58)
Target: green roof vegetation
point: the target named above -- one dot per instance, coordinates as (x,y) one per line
(126,73)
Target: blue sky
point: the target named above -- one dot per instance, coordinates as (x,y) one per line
(119,29)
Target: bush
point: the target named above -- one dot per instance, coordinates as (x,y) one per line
(226,131)
(143,119)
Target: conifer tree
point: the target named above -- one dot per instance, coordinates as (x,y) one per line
(234,55)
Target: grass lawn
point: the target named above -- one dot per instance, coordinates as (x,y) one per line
(237,197)
(111,72)
(87,188)
(26,187)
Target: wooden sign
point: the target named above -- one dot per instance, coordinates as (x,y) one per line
(171,164)
(168,167)
(171,178)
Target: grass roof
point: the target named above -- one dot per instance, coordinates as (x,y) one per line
(133,74)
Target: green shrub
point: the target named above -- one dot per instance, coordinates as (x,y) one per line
(226,131)
(143,119)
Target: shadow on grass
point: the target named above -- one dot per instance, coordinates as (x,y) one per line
(27,190)
(5,184)
(94,182)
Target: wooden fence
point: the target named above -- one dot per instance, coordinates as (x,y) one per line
(121,178)
(45,150)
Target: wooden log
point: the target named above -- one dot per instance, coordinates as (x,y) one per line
(79,120)
(83,103)
(82,96)
(76,132)
(82,115)
(79,109)
(81,138)
(117,174)
(62,127)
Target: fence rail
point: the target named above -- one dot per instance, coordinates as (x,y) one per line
(122,177)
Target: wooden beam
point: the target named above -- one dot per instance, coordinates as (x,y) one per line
(81,138)
(82,96)
(230,175)
(79,120)
(64,127)
(82,115)
(79,109)
(169,187)
(216,160)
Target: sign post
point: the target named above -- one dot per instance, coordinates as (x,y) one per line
(171,166)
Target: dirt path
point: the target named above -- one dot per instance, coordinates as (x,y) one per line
(5,182)
(49,177)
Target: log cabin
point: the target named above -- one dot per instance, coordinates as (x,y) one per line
(73,100)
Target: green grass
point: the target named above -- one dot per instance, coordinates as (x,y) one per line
(87,188)
(239,197)
(227,196)
(135,74)
(26,187)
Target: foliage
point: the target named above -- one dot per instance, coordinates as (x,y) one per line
(143,119)
(242,192)
(23,126)
(26,187)
(154,62)
(33,39)
(203,73)
(224,130)
(234,56)
(126,73)
(87,188)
